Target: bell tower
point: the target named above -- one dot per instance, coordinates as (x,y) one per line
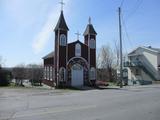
(60,52)
(90,41)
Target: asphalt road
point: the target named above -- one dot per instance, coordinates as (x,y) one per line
(131,103)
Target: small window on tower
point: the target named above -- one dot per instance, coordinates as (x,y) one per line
(63,40)
(92,44)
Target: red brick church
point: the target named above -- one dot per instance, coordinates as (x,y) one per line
(71,64)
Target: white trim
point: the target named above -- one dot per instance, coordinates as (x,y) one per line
(57,75)
(78,57)
(66,57)
(89,55)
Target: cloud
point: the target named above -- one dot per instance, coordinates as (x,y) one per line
(41,39)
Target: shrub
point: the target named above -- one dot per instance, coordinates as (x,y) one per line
(5,77)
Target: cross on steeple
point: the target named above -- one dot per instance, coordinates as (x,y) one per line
(78,34)
(62,4)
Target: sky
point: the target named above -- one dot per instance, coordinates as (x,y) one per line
(26,26)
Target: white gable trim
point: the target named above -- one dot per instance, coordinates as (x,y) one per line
(142,47)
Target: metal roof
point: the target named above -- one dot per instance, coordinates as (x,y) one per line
(50,55)
(61,23)
(89,30)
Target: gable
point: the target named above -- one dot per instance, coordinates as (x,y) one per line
(141,50)
(71,50)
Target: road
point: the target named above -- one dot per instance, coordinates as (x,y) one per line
(130,103)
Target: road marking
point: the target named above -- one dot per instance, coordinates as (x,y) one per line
(52,111)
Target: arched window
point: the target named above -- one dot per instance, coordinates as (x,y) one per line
(62,74)
(63,40)
(92,73)
(78,50)
(92,43)
(47,76)
(77,67)
(51,73)
(45,72)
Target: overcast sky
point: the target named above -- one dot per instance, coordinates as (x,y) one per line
(26,26)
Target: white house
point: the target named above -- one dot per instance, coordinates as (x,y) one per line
(143,65)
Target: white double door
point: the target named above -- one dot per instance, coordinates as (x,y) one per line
(77,75)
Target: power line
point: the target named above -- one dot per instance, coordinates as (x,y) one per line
(135,8)
(126,33)
(121,3)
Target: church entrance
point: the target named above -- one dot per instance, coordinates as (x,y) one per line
(77,75)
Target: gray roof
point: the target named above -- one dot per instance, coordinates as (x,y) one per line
(50,55)
(155,49)
(89,30)
(61,23)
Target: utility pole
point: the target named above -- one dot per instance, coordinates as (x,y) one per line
(120,38)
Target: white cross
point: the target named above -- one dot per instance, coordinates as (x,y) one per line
(62,4)
(78,34)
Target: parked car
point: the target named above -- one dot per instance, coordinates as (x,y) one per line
(102,83)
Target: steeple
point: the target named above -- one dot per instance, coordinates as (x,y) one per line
(61,25)
(89,29)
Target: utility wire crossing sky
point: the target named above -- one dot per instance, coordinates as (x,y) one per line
(26,32)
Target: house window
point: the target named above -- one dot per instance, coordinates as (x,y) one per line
(137,71)
(62,73)
(63,40)
(137,59)
(92,44)
(92,73)
(158,67)
(78,50)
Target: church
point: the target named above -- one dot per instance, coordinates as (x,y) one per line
(71,64)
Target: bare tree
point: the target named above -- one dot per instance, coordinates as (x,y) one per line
(19,74)
(35,73)
(106,61)
(117,54)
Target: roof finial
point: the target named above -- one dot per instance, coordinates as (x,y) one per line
(78,34)
(89,20)
(62,4)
